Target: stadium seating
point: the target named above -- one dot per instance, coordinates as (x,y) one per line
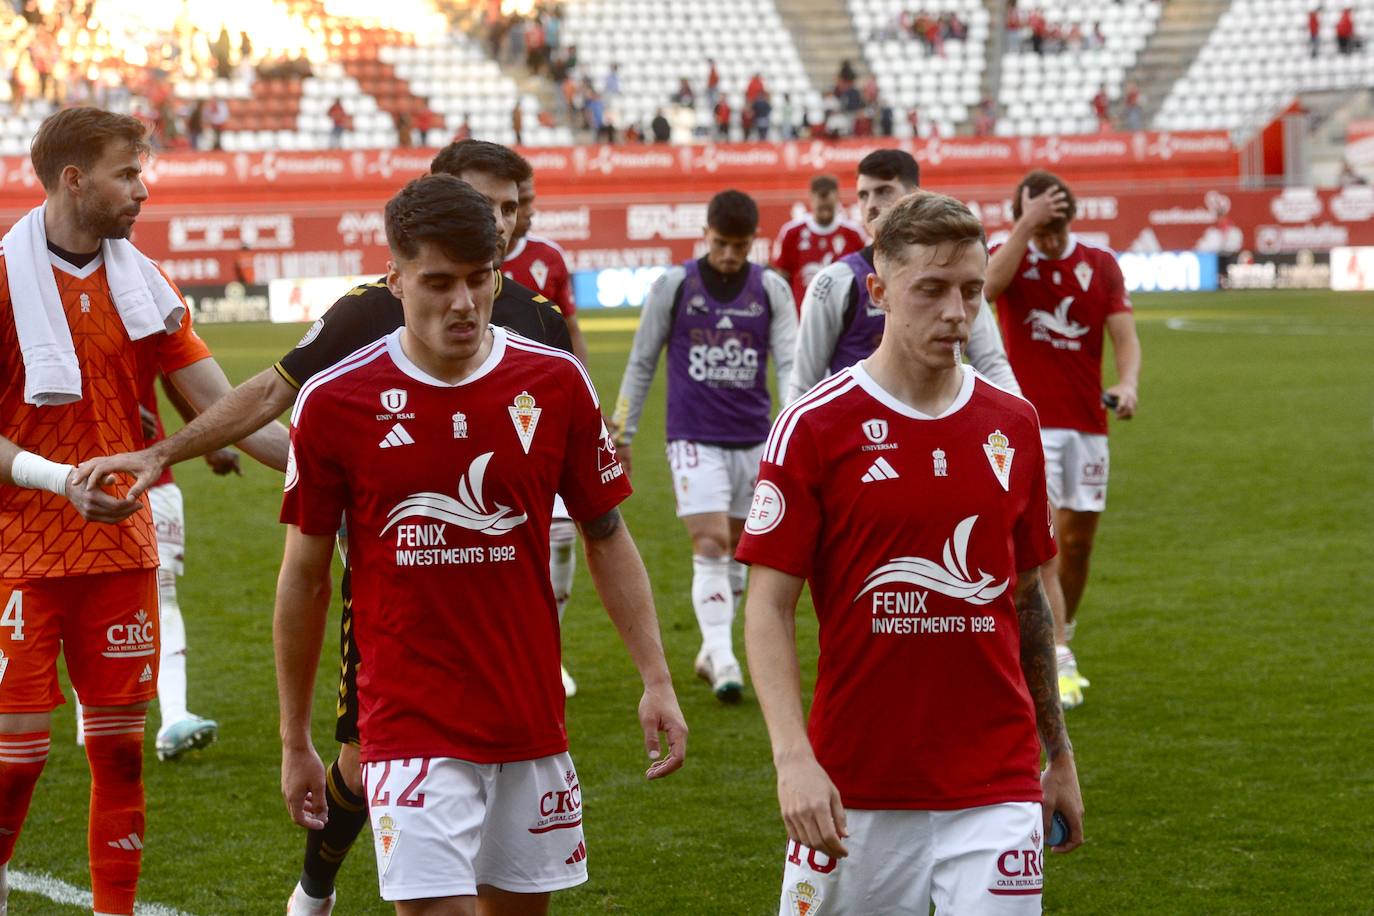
(1052,93)
(657,45)
(943,88)
(1257,59)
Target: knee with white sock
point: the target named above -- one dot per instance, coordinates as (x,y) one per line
(712,601)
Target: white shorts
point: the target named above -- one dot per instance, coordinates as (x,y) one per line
(708,478)
(975,860)
(169,520)
(442,826)
(560,511)
(1075,469)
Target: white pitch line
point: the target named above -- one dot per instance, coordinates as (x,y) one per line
(60,891)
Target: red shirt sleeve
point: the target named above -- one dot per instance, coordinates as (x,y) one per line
(784,519)
(1118,300)
(785,252)
(1033,533)
(592,482)
(316,492)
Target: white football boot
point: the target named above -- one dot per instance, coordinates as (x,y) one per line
(724,675)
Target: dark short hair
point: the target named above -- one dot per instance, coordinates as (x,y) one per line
(1038,182)
(733,213)
(79,137)
(482,156)
(446,212)
(824,184)
(890,165)
(929,219)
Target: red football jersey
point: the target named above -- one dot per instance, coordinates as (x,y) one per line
(540,264)
(803,248)
(448,492)
(1053,317)
(911,531)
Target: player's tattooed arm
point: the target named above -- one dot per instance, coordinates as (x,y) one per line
(1038,662)
(601,528)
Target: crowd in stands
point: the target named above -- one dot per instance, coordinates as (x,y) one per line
(1348,40)
(1131,115)
(931,30)
(1031,30)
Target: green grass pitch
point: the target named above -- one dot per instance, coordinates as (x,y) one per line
(1224,748)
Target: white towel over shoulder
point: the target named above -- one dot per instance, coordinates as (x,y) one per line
(146,303)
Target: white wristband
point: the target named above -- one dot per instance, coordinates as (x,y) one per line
(38,473)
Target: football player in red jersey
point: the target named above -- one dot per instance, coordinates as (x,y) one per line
(541,265)
(823,236)
(448,491)
(1057,296)
(892,804)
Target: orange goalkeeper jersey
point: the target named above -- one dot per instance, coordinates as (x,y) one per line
(41,534)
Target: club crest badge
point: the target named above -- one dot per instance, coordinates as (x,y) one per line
(805,899)
(394,400)
(460,426)
(1000,453)
(875,430)
(525,415)
(539,272)
(941,463)
(388,835)
(1084,273)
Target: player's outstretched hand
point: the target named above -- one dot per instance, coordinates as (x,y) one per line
(94,504)
(224,461)
(811,806)
(1125,400)
(659,713)
(1060,785)
(1045,207)
(302,785)
(143,465)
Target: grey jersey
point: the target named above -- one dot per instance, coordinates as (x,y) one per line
(822,324)
(656,327)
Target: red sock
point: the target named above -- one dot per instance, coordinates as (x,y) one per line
(114,747)
(21,760)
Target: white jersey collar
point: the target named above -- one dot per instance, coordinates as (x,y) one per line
(404,363)
(517,250)
(1073,243)
(888,400)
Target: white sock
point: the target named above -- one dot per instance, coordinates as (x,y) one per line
(711,601)
(562,537)
(80,725)
(171,679)
(739,579)
(1068,631)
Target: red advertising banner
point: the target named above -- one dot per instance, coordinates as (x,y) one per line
(260,242)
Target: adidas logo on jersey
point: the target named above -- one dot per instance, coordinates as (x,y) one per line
(147,674)
(725,323)
(579,855)
(880,470)
(397,437)
(129,843)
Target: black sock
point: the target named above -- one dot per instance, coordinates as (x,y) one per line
(326,849)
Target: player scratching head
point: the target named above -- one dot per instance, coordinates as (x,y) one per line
(930,256)
(1051,235)
(444,245)
(496,172)
(885,177)
(90,163)
(825,199)
(732,221)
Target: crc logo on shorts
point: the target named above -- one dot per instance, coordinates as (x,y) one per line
(560,809)
(767,509)
(131,640)
(1019,872)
